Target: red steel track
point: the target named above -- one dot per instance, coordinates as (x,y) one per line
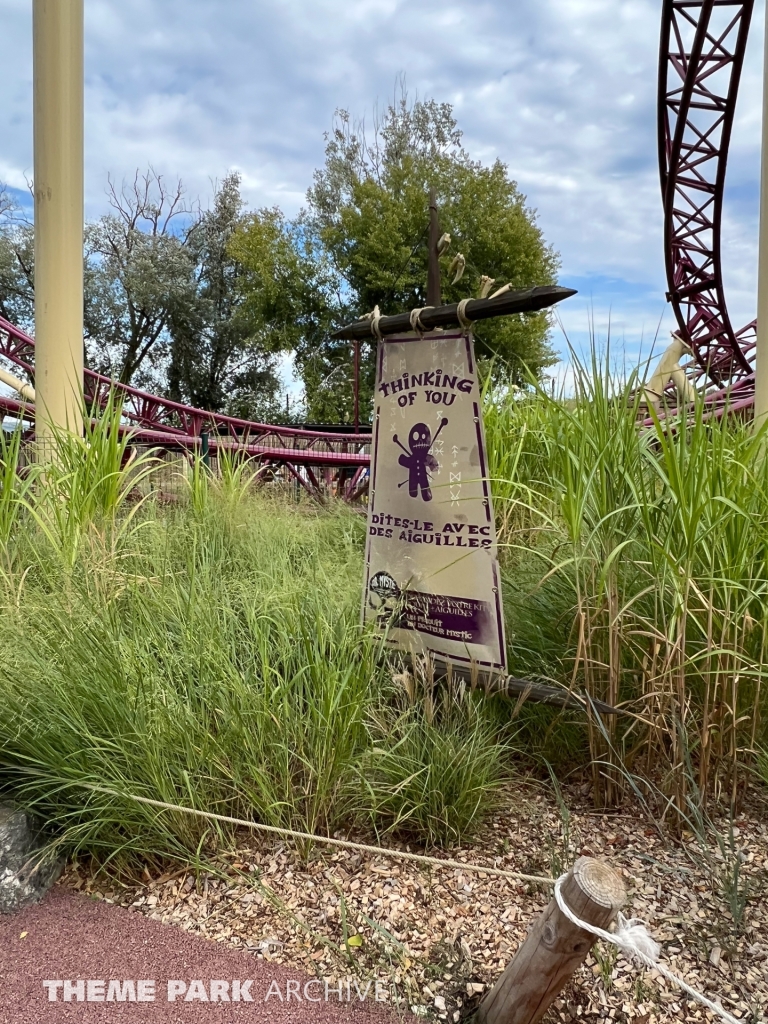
(702,52)
(701,56)
(318,461)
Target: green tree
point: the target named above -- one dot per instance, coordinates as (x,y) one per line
(17,246)
(138,267)
(292,300)
(221,356)
(369,206)
(362,242)
(162,305)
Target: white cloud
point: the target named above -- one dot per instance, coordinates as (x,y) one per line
(562,90)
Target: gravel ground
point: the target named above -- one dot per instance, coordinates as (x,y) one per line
(438,938)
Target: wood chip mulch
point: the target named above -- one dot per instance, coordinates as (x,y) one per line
(439,937)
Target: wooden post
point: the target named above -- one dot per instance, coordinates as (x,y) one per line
(433,266)
(356,411)
(554,947)
(205,447)
(505,304)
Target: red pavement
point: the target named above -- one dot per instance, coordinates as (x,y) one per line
(72,938)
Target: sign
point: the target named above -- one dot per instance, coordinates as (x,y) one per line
(431,570)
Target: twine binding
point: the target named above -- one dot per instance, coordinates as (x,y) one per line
(636,943)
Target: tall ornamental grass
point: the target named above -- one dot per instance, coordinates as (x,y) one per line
(207,654)
(647,550)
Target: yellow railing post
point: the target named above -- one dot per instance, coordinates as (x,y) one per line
(761,352)
(58,186)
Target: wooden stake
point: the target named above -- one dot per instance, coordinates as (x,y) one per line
(554,947)
(356,412)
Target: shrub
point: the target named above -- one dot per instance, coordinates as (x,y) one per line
(436,767)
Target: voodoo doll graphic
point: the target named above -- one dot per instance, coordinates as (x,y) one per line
(419,460)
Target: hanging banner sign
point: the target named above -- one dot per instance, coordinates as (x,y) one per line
(431,569)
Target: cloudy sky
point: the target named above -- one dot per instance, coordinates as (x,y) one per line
(563,91)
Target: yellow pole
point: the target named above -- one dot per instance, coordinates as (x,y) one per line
(761,351)
(58,183)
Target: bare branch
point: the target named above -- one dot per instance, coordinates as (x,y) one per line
(148,199)
(6,201)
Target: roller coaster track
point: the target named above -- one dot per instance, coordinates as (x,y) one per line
(320,462)
(701,56)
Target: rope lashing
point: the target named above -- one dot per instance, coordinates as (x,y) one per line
(415,319)
(636,943)
(374,318)
(461,315)
(375,329)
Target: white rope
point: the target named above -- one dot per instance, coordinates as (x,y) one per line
(415,318)
(374,318)
(461,314)
(631,937)
(375,329)
(25,390)
(345,844)
(635,941)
